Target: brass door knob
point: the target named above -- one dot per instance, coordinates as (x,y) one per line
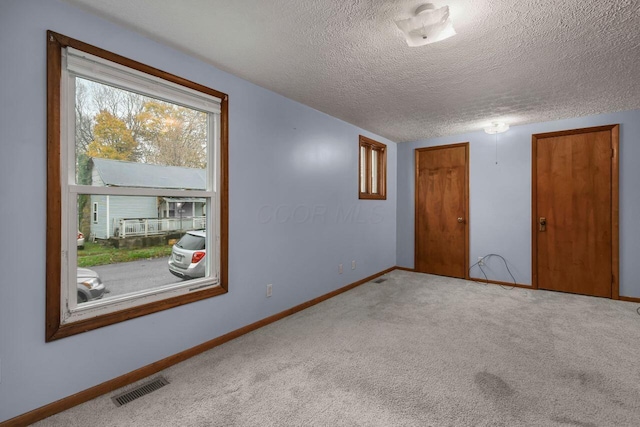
(460,219)
(543,223)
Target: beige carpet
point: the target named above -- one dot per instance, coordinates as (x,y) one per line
(416,350)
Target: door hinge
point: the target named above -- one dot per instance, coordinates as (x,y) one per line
(613,153)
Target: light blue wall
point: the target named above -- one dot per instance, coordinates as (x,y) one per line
(500,196)
(294,214)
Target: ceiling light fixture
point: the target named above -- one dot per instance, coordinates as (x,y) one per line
(430,25)
(496,127)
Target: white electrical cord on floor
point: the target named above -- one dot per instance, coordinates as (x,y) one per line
(479,265)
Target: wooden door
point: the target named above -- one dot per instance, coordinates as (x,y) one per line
(442,205)
(575,211)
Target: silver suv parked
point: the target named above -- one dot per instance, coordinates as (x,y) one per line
(90,286)
(187,259)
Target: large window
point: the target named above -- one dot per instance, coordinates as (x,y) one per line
(373,169)
(137,162)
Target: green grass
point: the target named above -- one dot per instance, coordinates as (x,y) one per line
(96,254)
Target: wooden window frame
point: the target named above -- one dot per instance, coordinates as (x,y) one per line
(55,328)
(370,145)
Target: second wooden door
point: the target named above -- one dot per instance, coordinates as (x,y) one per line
(575,211)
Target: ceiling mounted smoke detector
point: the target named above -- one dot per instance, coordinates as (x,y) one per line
(429,25)
(496,127)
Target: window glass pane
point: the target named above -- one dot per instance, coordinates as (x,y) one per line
(191,242)
(126,139)
(363,169)
(138,243)
(127,142)
(374,171)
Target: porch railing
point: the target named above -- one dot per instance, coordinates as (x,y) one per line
(155,226)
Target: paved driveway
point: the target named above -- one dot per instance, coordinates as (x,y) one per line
(134,276)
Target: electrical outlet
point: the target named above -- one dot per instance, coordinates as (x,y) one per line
(353,265)
(339,268)
(269,289)
(480,260)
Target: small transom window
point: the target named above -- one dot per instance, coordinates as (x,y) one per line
(373,169)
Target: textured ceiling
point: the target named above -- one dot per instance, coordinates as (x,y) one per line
(518,61)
